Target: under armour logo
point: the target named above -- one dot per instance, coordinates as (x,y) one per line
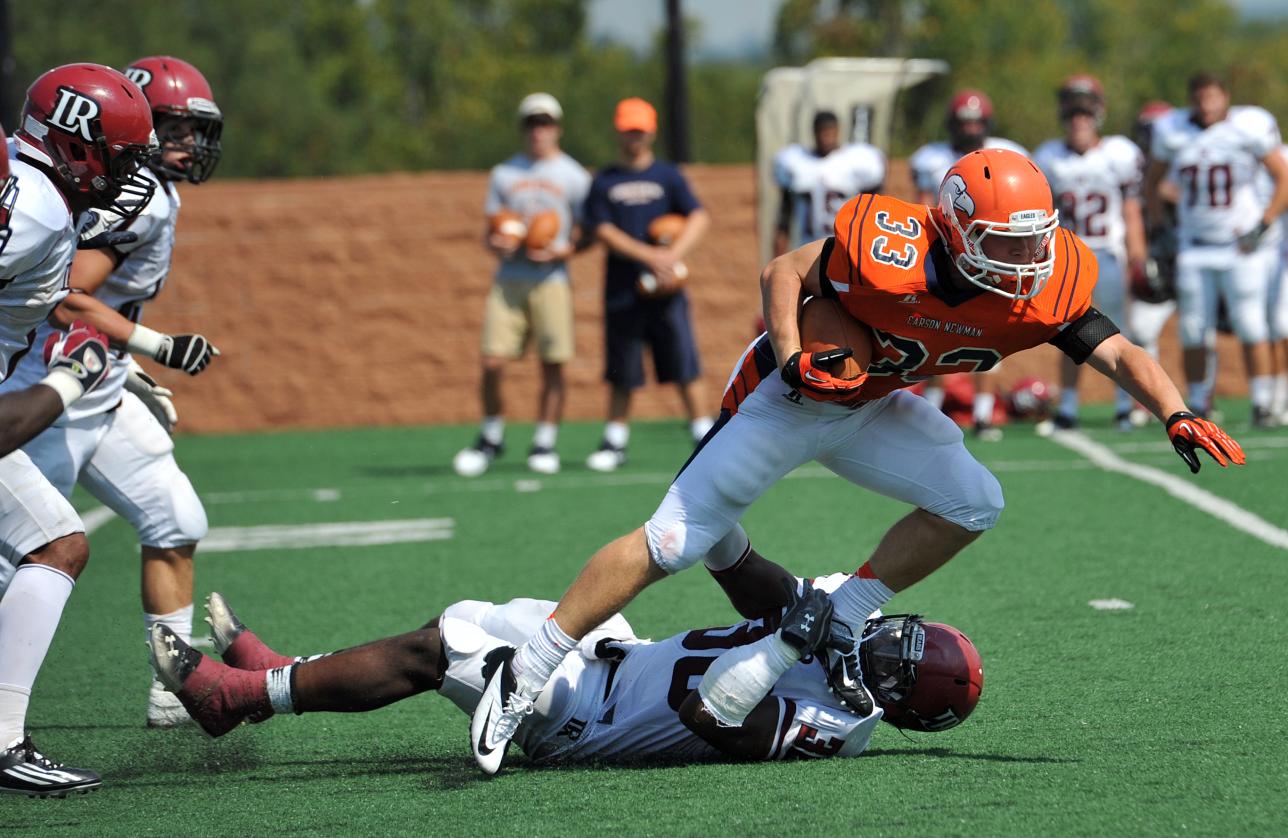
(910,299)
(794,396)
(572,730)
(139,76)
(73,113)
(953,196)
(807,622)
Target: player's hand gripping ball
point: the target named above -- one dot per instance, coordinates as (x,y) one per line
(508,226)
(835,352)
(543,229)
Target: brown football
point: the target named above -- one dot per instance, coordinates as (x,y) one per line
(825,324)
(509,224)
(542,229)
(665,229)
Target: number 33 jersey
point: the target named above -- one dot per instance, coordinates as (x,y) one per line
(889,266)
(1090,188)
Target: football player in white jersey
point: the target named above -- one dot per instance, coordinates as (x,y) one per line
(85,134)
(816,182)
(114,442)
(1153,288)
(696,695)
(1277,299)
(1096,184)
(970,128)
(1213,152)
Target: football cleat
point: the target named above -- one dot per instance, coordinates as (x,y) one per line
(500,711)
(164,708)
(1065,422)
(608,458)
(840,661)
(236,644)
(218,697)
(543,460)
(985,432)
(24,770)
(473,461)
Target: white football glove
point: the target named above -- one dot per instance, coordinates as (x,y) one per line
(155,398)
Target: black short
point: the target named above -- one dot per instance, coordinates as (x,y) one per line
(664,326)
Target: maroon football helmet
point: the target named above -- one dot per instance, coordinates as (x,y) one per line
(1029,398)
(970,120)
(91,127)
(185,113)
(1082,94)
(925,676)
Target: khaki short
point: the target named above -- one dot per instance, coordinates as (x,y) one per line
(521,309)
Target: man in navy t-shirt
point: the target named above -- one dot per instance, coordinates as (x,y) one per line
(644,299)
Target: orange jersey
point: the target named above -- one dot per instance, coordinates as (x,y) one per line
(888,266)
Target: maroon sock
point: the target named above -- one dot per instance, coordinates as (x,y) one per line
(249,652)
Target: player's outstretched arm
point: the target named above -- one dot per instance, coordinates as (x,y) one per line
(24,414)
(1135,371)
(77,363)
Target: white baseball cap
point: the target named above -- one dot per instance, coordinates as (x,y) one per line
(535,104)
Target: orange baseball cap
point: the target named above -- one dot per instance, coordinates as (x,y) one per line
(635,114)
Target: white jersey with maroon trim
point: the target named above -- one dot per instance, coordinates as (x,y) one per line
(819,186)
(1216,169)
(1089,188)
(638,716)
(145,263)
(37,243)
(933,160)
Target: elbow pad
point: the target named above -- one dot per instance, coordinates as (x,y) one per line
(1081,337)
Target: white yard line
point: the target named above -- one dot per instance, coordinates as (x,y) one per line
(355,534)
(1178,487)
(95,518)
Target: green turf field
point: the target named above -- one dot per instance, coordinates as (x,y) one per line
(1167,718)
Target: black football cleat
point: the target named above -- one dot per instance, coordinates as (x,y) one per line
(844,675)
(24,770)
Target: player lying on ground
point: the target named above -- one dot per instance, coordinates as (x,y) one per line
(690,696)
(952,288)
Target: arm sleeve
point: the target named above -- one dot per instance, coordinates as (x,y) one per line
(807,729)
(1081,337)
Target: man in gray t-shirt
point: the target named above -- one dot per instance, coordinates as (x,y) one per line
(533,206)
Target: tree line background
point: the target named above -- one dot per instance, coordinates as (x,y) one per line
(321,87)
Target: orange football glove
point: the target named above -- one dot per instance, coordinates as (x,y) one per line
(808,372)
(1189,432)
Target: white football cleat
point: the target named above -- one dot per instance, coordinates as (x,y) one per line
(164,708)
(500,711)
(607,458)
(543,461)
(473,461)
(224,625)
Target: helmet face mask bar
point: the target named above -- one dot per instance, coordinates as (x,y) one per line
(890,650)
(1026,280)
(185,113)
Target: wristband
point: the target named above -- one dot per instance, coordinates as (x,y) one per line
(68,387)
(144,340)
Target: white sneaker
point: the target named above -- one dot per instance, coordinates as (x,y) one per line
(1139,417)
(164,708)
(607,458)
(543,461)
(500,711)
(473,461)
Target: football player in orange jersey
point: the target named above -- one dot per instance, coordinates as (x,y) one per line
(952,288)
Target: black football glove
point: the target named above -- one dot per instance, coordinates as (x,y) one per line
(190,353)
(807,624)
(93,233)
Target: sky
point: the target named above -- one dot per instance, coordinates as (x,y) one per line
(743,28)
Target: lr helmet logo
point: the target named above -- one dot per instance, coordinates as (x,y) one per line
(73,113)
(140,76)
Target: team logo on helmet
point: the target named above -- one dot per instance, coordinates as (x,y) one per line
(73,113)
(139,75)
(953,195)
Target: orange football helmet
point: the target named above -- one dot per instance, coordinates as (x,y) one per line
(996,207)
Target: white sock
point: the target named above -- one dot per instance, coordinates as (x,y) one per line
(617,434)
(857,598)
(179,622)
(982,410)
(934,395)
(29,615)
(1200,396)
(545,435)
(493,429)
(278,682)
(699,427)
(1281,393)
(740,678)
(1069,402)
(1261,388)
(538,658)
